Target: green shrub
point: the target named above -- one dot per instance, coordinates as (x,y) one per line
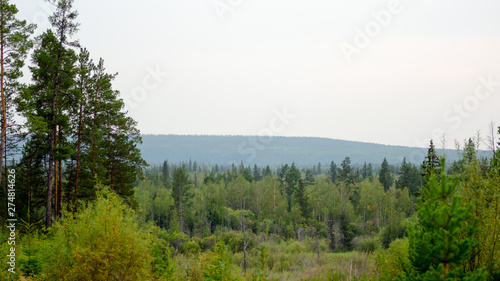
(190,248)
(235,219)
(283,263)
(310,244)
(296,247)
(217,265)
(234,240)
(208,243)
(392,262)
(163,266)
(367,244)
(289,232)
(335,275)
(102,242)
(176,239)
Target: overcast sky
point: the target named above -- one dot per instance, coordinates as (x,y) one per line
(389,72)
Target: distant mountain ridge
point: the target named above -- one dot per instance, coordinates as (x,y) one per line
(213,149)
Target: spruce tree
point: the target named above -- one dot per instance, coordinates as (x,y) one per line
(384,175)
(247,175)
(347,231)
(364,171)
(165,175)
(268,171)
(345,171)
(431,164)
(292,178)
(256,173)
(409,177)
(181,192)
(369,172)
(333,172)
(303,200)
(441,241)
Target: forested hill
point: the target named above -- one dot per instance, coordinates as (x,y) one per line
(274,151)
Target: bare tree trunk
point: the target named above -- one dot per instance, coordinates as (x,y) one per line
(317,245)
(181,212)
(491,143)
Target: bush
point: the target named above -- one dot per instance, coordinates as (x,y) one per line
(102,242)
(163,266)
(208,243)
(176,239)
(190,247)
(392,262)
(235,219)
(217,265)
(296,248)
(234,240)
(367,244)
(310,244)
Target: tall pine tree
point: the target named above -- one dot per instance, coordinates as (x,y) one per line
(45,102)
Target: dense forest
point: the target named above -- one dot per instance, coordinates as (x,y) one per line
(79,202)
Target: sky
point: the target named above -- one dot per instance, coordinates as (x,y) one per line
(389,72)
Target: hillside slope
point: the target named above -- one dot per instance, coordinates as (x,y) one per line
(274,151)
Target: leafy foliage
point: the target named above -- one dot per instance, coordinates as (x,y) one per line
(102,242)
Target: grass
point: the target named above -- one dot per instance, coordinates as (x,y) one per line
(290,260)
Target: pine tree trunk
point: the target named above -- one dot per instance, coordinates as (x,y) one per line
(79,150)
(52,137)
(56,181)
(317,245)
(59,174)
(48,203)
(111,163)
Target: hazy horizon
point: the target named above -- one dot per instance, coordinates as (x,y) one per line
(386,72)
